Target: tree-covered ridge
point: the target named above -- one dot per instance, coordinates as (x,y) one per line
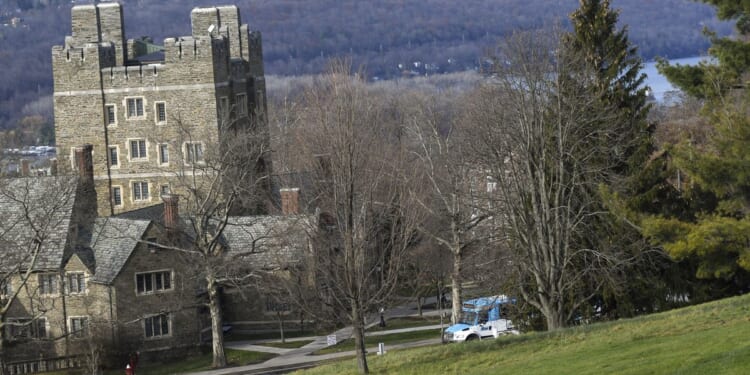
(386,36)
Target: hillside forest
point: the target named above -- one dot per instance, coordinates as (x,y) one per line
(390,38)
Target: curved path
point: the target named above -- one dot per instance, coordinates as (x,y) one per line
(291,359)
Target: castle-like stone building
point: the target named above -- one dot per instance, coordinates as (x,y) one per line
(153,113)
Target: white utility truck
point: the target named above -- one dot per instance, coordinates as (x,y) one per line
(482,318)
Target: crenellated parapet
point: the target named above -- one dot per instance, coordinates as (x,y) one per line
(135,101)
(102,22)
(76,68)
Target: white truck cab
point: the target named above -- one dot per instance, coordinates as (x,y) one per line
(481,318)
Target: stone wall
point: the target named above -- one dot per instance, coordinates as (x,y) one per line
(179,301)
(198,75)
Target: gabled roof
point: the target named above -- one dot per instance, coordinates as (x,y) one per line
(36,210)
(113,241)
(269,241)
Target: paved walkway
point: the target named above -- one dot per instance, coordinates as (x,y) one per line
(290,359)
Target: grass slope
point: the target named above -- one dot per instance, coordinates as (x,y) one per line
(712,338)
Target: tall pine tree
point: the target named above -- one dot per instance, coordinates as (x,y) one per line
(643,282)
(606,49)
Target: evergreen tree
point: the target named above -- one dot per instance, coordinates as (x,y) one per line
(606,49)
(710,80)
(639,177)
(714,230)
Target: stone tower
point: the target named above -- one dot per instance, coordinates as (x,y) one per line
(152,112)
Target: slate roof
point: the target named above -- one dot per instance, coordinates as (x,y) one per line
(269,241)
(113,240)
(44,207)
(36,209)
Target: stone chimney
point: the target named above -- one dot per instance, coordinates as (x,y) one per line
(171,211)
(85,162)
(25,170)
(289,201)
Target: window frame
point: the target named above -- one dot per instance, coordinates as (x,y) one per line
(165,189)
(32,328)
(82,282)
(153,290)
(56,285)
(110,121)
(126,104)
(114,202)
(240,102)
(188,149)
(157,113)
(138,198)
(139,158)
(81,334)
(116,148)
(160,148)
(148,320)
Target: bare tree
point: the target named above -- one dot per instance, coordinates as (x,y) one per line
(34,227)
(457,188)
(359,172)
(219,179)
(543,132)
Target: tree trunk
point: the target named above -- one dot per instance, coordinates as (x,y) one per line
(217,333)
(359,339)
(419,305)
(555,317)
(281,326)
(456,286)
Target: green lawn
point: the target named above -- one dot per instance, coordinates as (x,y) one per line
(199,363)
(408,322)
(712,338)
(394,338)
(270,335)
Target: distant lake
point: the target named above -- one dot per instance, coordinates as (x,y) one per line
(658,83)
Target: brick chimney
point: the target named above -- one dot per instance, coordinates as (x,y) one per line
(171,211)
(85,162)
(25,170)
(289,201)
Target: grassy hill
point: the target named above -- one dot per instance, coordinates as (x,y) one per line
(712,338)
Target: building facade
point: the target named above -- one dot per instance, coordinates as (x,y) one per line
(75,285)
(154,116)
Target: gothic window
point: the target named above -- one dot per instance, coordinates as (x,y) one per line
(241,103)
(193,152)
(111,114)
(152,282)
(134,107)
(138,149)
(79,326)
(161,113)
(156,326)
(140,191)
(117,196)
(114,160)
(163,153)
(48,284)
(76,283)
(26,328)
